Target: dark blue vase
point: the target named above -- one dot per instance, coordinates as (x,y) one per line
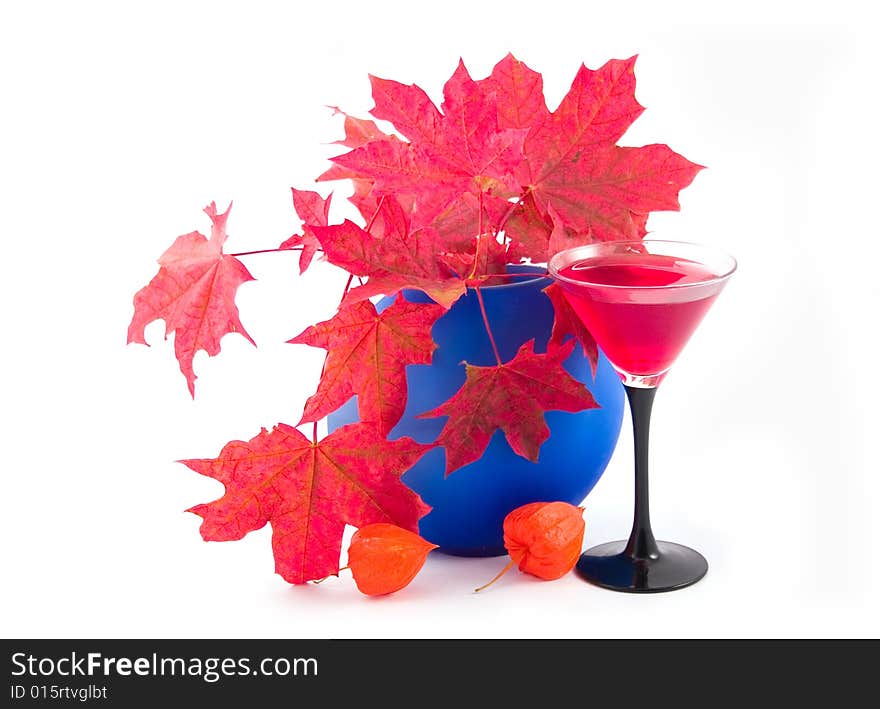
(469,506)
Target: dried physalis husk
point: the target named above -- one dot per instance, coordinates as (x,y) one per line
(544,539)
(384,558)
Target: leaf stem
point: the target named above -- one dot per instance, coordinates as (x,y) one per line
(486,323)
(314,431)
(479,241)
(498,576)
(266,251)
(351,276)
(347,287)
(375,214)
(530,274)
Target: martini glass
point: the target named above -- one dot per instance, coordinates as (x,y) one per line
(641,300)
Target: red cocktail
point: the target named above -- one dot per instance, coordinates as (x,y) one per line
(640,307)
(642,300)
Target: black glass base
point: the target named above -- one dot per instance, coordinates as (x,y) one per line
(676,566)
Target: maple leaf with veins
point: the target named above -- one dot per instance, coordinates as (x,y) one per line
(194,293)
(609,194)
(600,191)
(403,258)
(529,231)
(596,111)
(519,94)
(367,355)
(358,132)
(567,322)
(309,491)
(512,397)
(459,224)
(313,210)
(456,152)
(486,259)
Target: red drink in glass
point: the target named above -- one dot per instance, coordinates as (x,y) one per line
(635,307)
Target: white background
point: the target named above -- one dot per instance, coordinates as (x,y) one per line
(119,123)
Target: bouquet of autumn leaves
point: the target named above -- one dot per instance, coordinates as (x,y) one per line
(490,178)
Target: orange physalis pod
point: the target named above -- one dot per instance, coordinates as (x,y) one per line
(384,558)
(544,539)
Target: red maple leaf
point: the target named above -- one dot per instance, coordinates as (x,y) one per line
(599,190)
(485,259)
(610,192)
(358,131)
(456,152)
(459,224)
(529,231)
(367,355)
(194,293)
(567,322)
(402,258)
(309,491)
(313,210)
(519,94)
(512,397)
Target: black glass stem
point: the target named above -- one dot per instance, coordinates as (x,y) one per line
(641,544)
(641,564)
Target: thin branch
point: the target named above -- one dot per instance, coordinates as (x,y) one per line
(479,241)
(375,214)
(486,323)
(347,287)
(267,251)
